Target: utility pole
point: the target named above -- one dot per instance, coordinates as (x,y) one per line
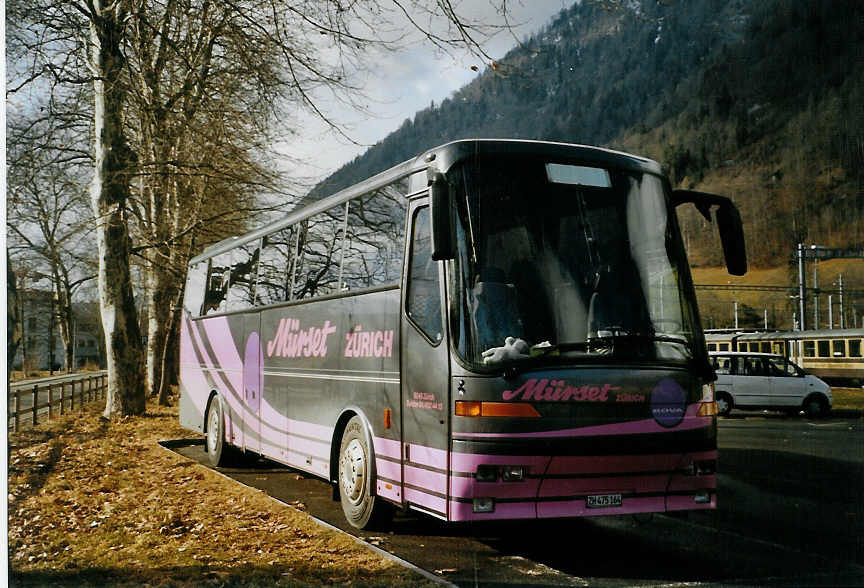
(736,315)
(815,292)
(842,316)
(801,287)
(830,312)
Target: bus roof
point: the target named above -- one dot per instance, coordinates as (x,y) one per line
(442,158)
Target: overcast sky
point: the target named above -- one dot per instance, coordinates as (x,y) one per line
(405,82)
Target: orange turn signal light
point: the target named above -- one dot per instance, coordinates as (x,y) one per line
(707,409)
(495,409)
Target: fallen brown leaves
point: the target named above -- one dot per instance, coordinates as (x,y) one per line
(96,503)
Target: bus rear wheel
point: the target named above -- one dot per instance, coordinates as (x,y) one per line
(361,507)
(217,451)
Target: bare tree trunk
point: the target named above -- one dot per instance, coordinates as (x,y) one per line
(109,195)
(13,318)
(159,301)
(170,349)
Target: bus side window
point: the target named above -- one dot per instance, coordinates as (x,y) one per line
(838,347)
(275,267)
(375,240)
(321,254)
(423,298)
(244,271)
(217,284)
(854,347)
(809,349)
(196,281)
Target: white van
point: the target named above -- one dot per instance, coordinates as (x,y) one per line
(766,381)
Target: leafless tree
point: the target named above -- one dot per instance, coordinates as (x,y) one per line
(48,165)
(187,97)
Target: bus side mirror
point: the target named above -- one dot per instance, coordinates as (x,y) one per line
(443,246)
(728,223)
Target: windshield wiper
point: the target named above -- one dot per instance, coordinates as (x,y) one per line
(614,337)
(547,349)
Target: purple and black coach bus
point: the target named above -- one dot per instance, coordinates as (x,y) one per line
(496,329)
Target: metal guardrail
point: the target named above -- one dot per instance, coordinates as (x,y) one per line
(39,399)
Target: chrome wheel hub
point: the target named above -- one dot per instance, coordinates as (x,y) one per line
(213,431)
(352,471)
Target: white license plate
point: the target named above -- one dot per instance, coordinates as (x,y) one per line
(603,500)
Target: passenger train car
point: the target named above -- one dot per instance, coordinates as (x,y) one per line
(832,354)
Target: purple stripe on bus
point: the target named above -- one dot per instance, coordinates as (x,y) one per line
(392,492)
(387,447)
(222,343)
(552,487)
(691,421)
(428,456)
(318,466)
(312,430)
(228,394)
(195,383)
(389,469)
(578,507)
(469,488)
(432,481)
(462,511)
(468,462)
(433,503)
(316,449)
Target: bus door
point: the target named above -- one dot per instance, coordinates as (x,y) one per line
(252,383)
(425,373)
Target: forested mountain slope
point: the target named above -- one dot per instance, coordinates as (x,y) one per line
(759,100)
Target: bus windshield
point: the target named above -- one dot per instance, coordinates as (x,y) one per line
(566,260)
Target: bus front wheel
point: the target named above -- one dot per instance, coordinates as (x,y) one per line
(361,507)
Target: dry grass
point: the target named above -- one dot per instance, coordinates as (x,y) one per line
(848,398)
(99,503)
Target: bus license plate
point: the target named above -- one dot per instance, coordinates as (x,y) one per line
(603,500)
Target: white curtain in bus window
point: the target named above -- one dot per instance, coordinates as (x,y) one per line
(276,267)
(423,299)
(375,240)
(320,254)
(647,221)
(217,284)
(244,269)
(196,281)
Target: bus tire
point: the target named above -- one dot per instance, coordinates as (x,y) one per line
(214,445)
(724,404)
(815,406)
(361,507)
